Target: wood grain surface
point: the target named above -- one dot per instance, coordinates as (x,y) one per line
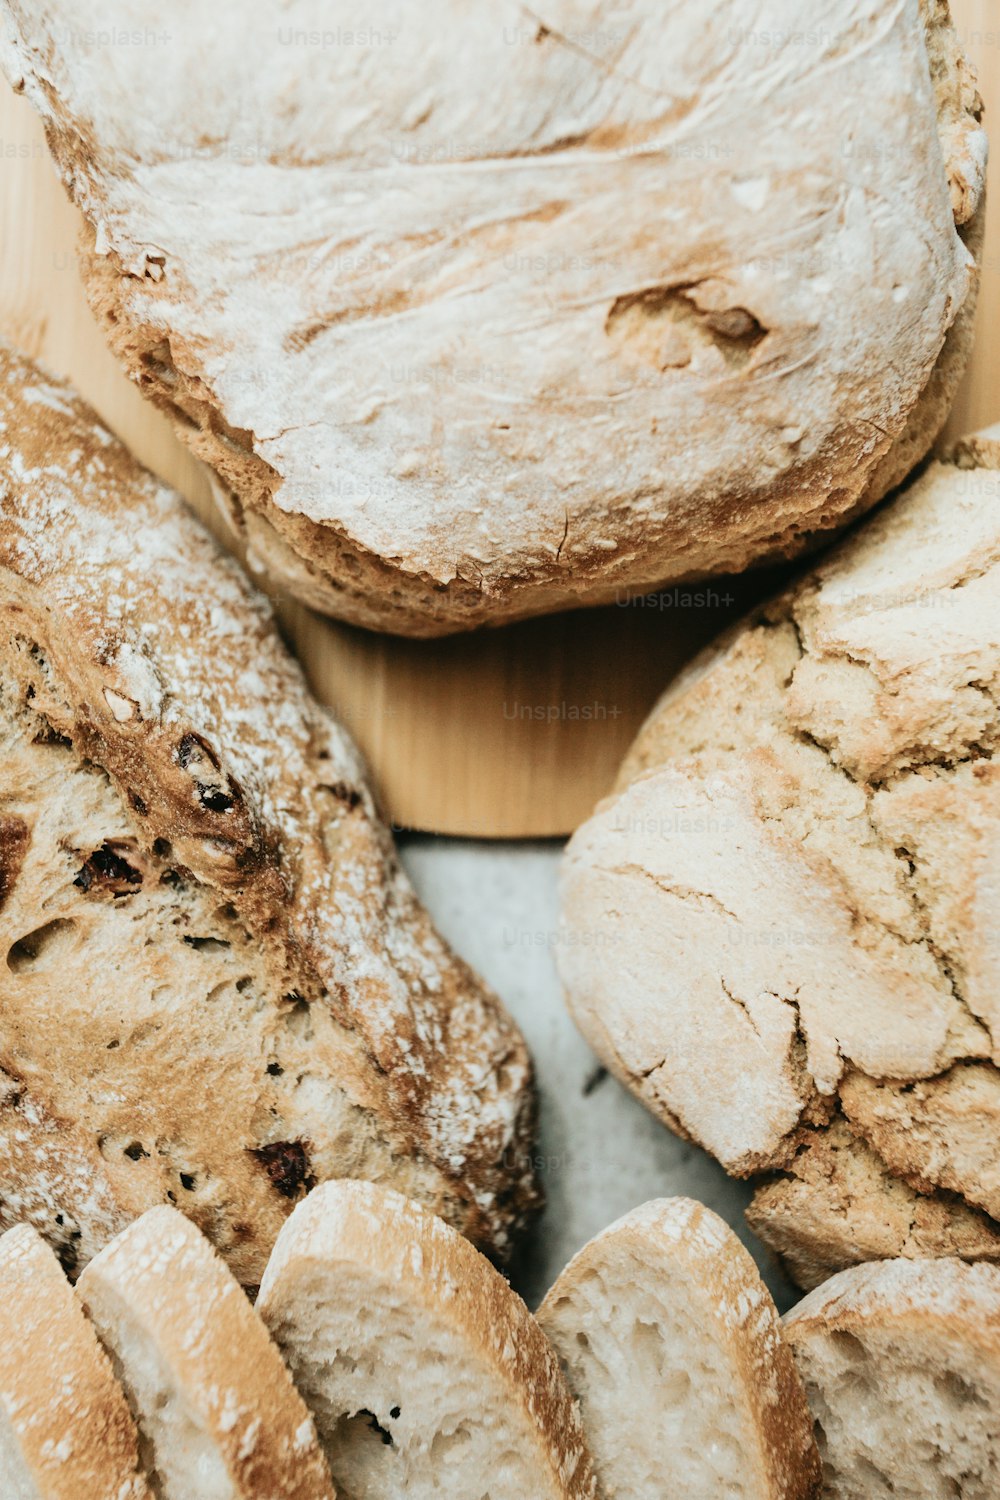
(507,733)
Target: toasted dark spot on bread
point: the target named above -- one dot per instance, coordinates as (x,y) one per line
(287,1165)
(14,839)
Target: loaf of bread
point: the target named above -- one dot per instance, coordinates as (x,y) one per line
(426,1374)
(901,1363)
(219,986)
(66,1432)
(478,313)
(672,1345)
(216,1408)
(797,885)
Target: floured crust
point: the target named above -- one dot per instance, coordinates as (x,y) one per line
(836,1204)
(358,1225)
(219,986)
(798,874)
(958,1299)
(677,1237)
(57,1391)
(177,1294)
(515,390)
(901,1368)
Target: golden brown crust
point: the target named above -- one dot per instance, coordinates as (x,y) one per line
(196,826)
(678,1237)
(556,508)
(162,1276)
(359,1225)
(837,1203)
(58,1395)
(957,1299)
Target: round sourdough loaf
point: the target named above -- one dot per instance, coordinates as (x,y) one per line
(480,312)
(784,923)
(217,984)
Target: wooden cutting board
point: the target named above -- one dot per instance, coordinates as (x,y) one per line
(507,733)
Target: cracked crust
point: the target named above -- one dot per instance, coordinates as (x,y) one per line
(797,880)
(837,1203)
(218,986)
(634,406)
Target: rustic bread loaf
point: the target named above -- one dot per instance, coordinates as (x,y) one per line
(479,314)
(901,1363)
(217,1412)
(428,1378)
(673,1347)
(800,875)
(218,984)
(66,1432)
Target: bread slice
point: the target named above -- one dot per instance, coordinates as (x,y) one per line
(666,301)
(794,890)
(836,1203)
(66,1432)
(427,1376)
(901,1363)
(217,1412)
(673,1347)
(219,986)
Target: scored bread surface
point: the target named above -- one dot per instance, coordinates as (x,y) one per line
(630,292)
(389,1319)
(61,1408)
(720,1382)
(796,883)
(218,986)
(162,1299)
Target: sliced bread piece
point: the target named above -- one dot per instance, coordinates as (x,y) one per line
(218,1416)
(427,1376)
(65,1428)
(901,1363)
(673,1347)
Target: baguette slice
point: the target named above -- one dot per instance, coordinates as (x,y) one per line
(673,1346)
(65,1428)
(217,1413)
(427,1376)
(901,1363)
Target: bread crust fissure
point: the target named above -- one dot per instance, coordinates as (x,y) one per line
(803,838)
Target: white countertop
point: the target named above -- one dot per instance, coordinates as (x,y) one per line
(600,1152)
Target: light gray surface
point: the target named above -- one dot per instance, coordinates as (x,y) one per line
(600,1153)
